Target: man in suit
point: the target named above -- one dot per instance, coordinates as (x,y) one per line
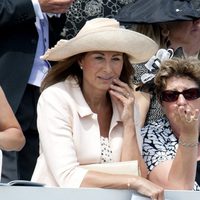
(27,29)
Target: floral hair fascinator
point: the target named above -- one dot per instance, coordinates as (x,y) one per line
(153,65)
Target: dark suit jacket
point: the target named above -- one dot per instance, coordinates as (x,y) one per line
(18,42)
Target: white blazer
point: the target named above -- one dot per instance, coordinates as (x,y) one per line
(1,160)
(69,136)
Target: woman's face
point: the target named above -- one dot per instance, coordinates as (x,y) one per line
(184,32)
(100,68)
(180,84)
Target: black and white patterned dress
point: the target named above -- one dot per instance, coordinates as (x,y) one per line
(155,111)
(83,10)
(159,144)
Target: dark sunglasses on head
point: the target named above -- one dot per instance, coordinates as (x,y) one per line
(189,94)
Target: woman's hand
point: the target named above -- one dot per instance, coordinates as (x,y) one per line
(187,120)
(147,188)
(123,96)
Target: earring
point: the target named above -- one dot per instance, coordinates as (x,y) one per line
(165,32)
(81,67)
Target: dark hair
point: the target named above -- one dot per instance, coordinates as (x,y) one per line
(70,67)
(177,67)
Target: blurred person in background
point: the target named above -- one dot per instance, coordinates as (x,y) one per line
(28,28)
(11,135)
(83,10)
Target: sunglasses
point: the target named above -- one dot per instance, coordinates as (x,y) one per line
(189,94)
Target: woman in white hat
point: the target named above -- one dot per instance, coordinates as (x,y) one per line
(86,109)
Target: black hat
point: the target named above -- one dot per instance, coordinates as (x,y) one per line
(155,11)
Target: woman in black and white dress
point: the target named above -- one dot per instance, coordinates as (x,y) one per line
(171,146)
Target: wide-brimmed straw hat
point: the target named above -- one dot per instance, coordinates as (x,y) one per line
(104,34)
(156,11)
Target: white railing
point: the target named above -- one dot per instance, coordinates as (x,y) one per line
(46,193)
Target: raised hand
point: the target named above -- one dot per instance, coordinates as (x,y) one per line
(123,96)
(187,119)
